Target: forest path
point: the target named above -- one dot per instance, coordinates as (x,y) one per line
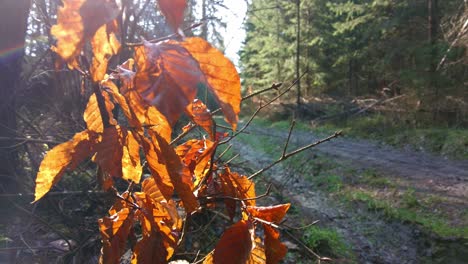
(373,238)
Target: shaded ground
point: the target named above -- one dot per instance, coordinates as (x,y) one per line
(374,237)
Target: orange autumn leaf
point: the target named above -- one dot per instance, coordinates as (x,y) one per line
(196,156)
(92,114)
(167,156)
(159,170)
(235,244)
(118,154)
(238,186)
(131,165)
(149,187)
(105,45)
(77,21)
(110,150)
(275,251)
(112,89)
(148,115)
(273,214)
(167,77)
(114,232)
(65,156)
(221,74)
(151,250)
(173,10)
(201,115)
(155,221)
(257,255)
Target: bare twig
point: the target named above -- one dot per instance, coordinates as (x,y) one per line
(285,149)
(274,86)
(231,159)
(292,153)
(263,106)
(165,38)
(30,140)
(220,198)
(4,195)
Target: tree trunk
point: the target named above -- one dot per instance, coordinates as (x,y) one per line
(298,52)
(433,24)
(204,27)
(13,23)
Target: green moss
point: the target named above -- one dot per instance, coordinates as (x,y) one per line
(326,241)
(371,178)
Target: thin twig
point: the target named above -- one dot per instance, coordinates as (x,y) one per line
(263,106)
(30,140)
(137,44)
(292,153)
(231,159)
(5,195)
(220,198)
(285,149)
(274,86)
(224,152)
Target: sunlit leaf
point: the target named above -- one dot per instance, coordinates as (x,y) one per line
(150,250)
(238,186)
(167,156)
(114,232)
(167,77)
(77,21)
(221,74)
(275,250)
(110,150)
(110,87)
(173,10)
(272,214)
(201,115)
(149,187)
(159,170)
(257,256)
(131,166)
(235,244)
(196,156)
(155,221)
(92,114)
(105,45)
(65,156)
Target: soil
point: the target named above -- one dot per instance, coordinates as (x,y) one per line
(372,237)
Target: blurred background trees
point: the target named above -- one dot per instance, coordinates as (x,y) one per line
(364,47)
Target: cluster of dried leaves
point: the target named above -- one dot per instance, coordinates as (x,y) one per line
(152,90)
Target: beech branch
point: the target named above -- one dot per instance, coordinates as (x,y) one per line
(294,152)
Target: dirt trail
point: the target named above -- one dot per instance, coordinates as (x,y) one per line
(373,238)
(422,171)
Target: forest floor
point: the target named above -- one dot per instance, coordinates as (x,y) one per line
(382,205)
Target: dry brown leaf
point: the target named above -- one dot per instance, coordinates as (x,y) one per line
(221,75)
(105,45)
(235,244)
(201,115)
(77,21)
(114,232)
(173,10)
(167,77)
(65,156)
(168,157)
(92,114)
